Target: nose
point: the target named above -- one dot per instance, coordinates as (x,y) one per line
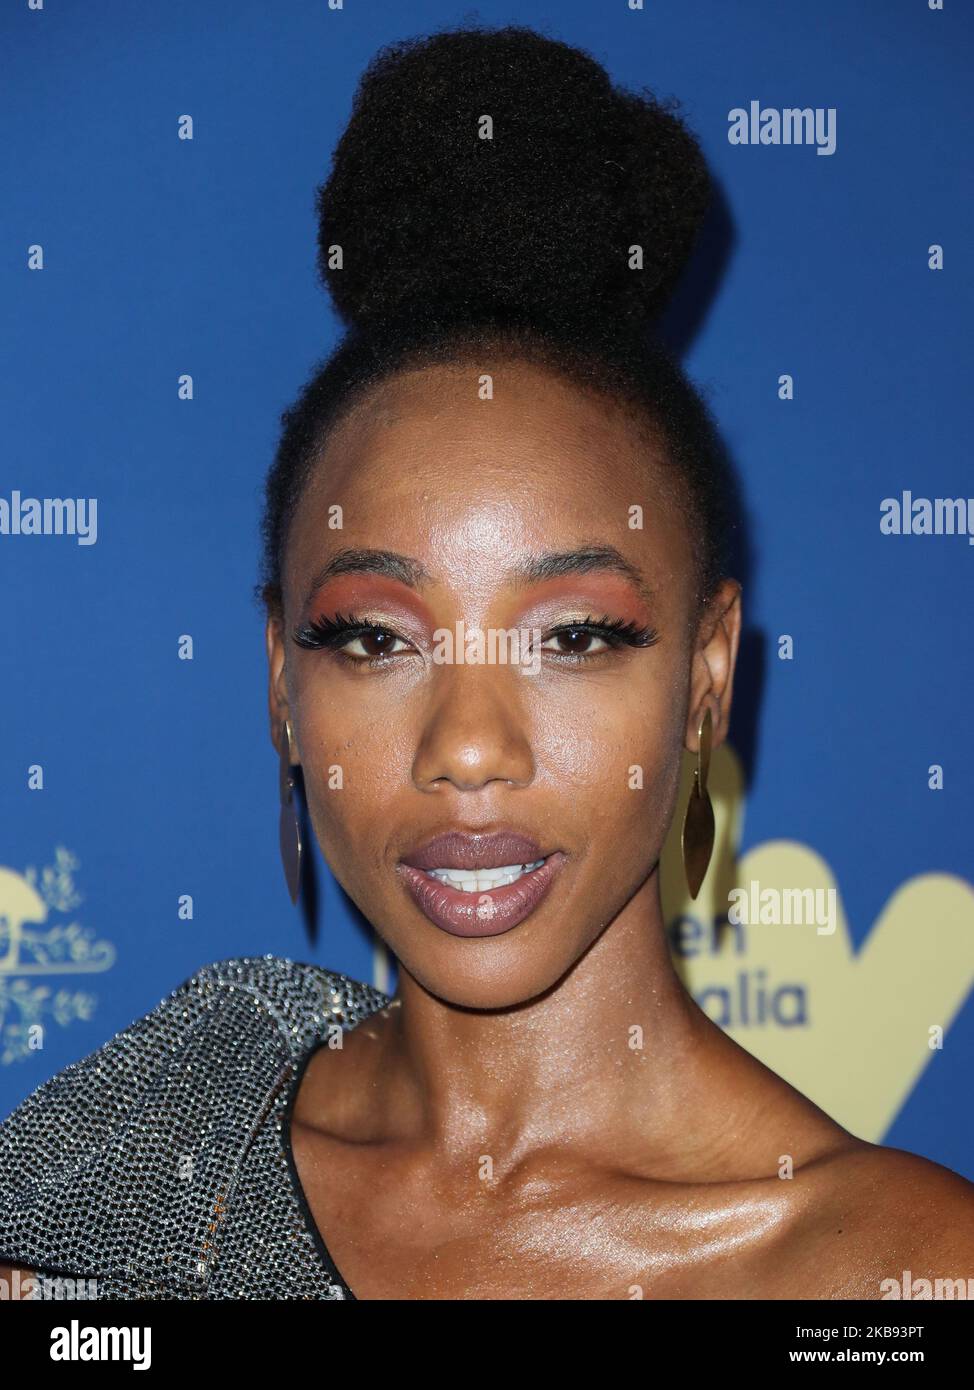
(474,731)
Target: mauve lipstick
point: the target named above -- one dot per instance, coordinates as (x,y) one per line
(487,913)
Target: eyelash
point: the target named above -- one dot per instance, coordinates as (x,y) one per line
(331,634)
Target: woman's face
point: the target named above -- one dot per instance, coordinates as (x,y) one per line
(514,516)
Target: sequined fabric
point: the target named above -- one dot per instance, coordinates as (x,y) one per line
(156,1165)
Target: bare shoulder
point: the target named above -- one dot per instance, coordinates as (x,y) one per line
(882,1214)
(932,1205)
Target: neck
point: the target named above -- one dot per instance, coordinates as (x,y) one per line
(615,1061)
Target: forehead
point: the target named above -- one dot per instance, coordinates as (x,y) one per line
(427,465)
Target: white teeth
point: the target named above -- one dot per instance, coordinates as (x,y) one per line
(482,880)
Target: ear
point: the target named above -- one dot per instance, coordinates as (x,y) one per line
(278,707)
(714,660)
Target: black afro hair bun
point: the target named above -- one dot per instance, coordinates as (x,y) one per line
(439,226)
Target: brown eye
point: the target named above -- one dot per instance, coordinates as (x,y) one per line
(376,643)
(576,641)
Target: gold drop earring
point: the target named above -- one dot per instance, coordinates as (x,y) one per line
(290,825)
(698,824)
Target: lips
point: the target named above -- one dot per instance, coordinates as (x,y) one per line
(459,849)
(493,911)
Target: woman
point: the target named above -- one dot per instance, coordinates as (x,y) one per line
(498,448)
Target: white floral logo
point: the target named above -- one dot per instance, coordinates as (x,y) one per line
(33,946)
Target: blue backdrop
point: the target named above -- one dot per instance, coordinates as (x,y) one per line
(131,257)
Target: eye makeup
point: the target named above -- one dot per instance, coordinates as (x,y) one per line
(616,633)
(325,633)
(345,623)
(332,634)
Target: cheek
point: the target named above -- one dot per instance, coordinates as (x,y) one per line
(354,762)
(602,735)
(615,757)
(611,773)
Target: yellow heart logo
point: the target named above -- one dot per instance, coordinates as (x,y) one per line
(853,1030)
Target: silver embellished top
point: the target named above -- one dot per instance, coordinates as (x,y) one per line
(160,1166)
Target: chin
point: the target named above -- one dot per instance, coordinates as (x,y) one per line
(486,974)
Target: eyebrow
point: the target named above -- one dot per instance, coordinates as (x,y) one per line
(385,562)
(589,559)
(553,564)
